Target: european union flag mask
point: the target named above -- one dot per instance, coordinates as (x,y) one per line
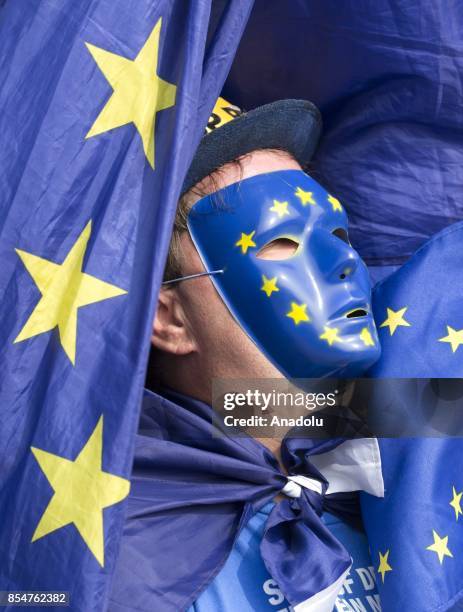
(289,275)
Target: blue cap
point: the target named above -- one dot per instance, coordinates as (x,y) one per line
(290,125)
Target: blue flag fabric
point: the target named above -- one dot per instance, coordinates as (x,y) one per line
(418,311)
(415,532)
(103,104)
(192,492)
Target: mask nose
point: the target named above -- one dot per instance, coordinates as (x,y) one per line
(336,258)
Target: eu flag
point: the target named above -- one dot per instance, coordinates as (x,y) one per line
(416,531)
(102,106)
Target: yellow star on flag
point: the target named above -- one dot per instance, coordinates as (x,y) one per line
(454,337)
(330,335)
(64,288)
(269,285)
(138,92)
(246,242)
(306,197)
(440,546)
(298,313)
(280,208)
(366,337)
(395,319)
(456,502)
(335,203)
(384,566)
(81,491)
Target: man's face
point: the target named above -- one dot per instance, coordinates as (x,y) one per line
(313,264)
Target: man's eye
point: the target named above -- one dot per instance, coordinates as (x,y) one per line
(341,233)
(280,248)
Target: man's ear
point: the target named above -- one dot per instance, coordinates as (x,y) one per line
(171,332)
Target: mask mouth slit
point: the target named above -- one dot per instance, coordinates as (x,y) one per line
(358,312)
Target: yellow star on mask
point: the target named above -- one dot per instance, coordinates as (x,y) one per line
(384,566)
(64,288)
(138,92)
(298,313)
(269,285)
(246,242)
(280,208)
(366,337)
(456,502)
(395,320)
(454,337)
(330,335)
(440,546)
(306,197)
(335,203)
(81,491)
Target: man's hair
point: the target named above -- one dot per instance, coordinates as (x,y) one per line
(173,267)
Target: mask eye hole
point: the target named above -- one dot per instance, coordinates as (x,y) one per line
(278,249)
(341,233)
